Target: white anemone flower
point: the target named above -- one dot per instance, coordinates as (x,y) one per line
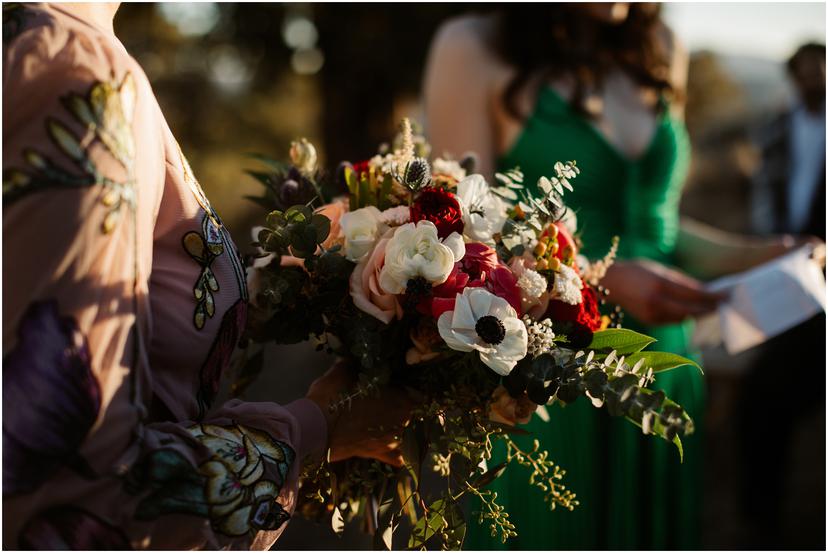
(487,323)
(416,252)
(484,213)
(361,229)
(567,286)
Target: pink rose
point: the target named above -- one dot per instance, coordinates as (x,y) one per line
(485,269)
(366,292)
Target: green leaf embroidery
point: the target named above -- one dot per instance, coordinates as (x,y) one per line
(106,111)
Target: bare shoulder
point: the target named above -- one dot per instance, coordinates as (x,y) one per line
(672,44)
(677,57)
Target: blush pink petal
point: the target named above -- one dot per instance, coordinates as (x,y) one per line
(366,292)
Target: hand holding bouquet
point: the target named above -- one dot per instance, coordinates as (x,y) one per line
(470,296)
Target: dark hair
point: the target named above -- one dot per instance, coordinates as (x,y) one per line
(553,40)
(814,48)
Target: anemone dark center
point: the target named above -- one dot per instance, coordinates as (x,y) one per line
(418,287)
(490,329)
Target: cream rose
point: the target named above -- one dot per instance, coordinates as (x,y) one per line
(360,229)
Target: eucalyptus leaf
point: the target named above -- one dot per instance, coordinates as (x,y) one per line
(337,521)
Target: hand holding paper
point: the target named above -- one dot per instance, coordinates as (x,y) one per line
(766,300)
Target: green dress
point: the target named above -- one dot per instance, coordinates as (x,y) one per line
(633,490)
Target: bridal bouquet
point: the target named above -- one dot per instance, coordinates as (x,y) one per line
(471,294)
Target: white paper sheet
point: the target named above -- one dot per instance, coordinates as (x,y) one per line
(764,302)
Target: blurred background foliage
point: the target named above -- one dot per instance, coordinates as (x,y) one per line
(236,78)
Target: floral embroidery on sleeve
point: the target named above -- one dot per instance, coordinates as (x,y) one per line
(51,399)
(106,112)
(204,248)
(236,488)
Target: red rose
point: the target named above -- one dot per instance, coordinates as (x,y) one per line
(439,207)
(443,296)
(584,314)
(480,267)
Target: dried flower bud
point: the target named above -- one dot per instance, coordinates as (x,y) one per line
(540,249)
(469,162)
(417,174)
(303,155)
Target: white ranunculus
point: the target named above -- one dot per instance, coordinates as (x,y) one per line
(361,228)
(567,286)
(484,213)
(487,323)
(415,251)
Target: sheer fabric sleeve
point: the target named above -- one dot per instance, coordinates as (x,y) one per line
(82,467)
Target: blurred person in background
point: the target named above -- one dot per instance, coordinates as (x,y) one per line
(124,298)
(789,197)
(602,84)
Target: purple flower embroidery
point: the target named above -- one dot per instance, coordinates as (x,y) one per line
(50,399)
(232,325)
(70,528)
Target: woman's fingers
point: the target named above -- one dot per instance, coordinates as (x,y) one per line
(684,289)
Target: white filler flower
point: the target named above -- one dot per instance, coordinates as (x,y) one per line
(567,286)
(360,228)
(484,213)
(487,323)
(416,252)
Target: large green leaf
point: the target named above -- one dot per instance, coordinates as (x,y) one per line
(661,361)
(623,340)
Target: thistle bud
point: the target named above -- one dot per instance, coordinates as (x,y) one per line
(417,174)
(303,155)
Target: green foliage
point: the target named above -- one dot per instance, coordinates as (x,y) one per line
(661,361)
(622,340)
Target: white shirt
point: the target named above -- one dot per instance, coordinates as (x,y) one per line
(807,163)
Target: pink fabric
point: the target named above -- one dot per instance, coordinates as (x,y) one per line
(130,293)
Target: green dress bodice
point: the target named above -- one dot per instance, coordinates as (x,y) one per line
(634,493)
